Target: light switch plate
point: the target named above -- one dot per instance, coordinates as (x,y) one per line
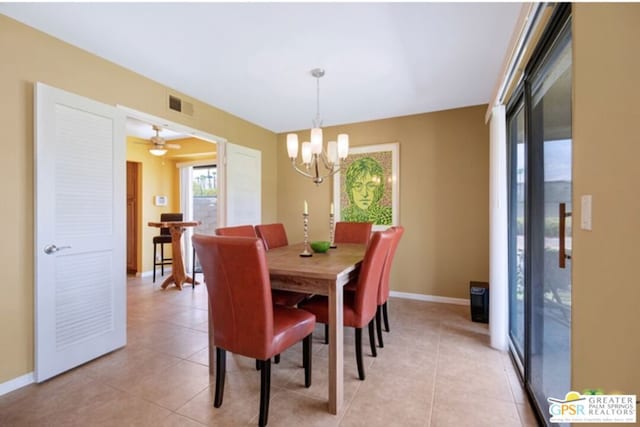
(585,212)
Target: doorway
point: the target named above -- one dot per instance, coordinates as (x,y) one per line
(159,176)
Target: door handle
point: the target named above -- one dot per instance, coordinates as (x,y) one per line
(52,249)
(562,252)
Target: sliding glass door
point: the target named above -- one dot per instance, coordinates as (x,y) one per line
(540,146)
(549,242)
(517,225)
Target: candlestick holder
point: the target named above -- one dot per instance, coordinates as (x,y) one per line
(332,232)
(305,220)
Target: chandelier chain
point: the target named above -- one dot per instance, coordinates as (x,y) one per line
(317,123)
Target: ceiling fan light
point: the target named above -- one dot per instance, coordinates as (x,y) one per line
(158,151)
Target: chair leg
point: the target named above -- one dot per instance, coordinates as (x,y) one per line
(155,247)
(372,338)
(162,257)
(386,317)
(276,359)
(265,388)
(359,353)
(306,359)
(379,326)
(326,334)
(221,364)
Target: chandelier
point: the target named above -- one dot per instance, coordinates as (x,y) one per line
(314,157)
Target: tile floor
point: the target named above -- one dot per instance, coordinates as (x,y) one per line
(436,369)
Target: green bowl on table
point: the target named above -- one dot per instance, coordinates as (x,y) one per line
(320,246)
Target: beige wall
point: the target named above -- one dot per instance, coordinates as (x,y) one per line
(444,197)
(606,150)
(29,56)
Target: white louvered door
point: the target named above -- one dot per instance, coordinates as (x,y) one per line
(243,186)
(80,273)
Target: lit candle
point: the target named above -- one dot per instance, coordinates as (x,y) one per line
(331,209)
(306,208)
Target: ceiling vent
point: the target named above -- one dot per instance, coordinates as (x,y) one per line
(180,106)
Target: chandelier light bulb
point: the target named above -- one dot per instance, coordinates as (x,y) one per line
(306,152)
(292,145)
(343,145)
(332,152)
(316,141)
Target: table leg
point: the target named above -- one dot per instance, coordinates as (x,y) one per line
(336,352)
(178,276)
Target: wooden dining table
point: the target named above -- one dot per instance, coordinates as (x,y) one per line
(322,274)
(178,275)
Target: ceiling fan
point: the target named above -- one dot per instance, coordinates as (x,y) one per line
(160,146)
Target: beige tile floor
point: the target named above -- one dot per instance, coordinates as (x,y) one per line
(436,369)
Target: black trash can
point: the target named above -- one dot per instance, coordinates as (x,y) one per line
(479,294)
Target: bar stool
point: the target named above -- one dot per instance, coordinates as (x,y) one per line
(162,239)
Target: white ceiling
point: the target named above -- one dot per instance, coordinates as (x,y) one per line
(145,130)
(253,59)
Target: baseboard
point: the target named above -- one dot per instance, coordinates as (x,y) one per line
(430,298)
(167,270)
(16,383)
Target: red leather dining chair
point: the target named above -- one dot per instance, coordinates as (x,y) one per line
(349,232)
(352,232)
(359,306)
(279,297)
(384,288)
(237,231)
(245,321)
(275,236)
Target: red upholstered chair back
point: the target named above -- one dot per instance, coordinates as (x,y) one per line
(383,291)
(272,235)
(237,278)
(237,231)
(366,295)
(352,232)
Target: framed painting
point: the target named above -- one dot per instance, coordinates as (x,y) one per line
(367,187)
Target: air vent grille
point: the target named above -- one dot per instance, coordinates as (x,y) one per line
(177,104)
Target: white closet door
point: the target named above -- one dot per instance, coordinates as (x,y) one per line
(243,185)
(80,272)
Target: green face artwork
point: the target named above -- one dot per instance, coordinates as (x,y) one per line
(364,190)
(365,186)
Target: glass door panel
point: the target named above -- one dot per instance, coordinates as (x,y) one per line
(204,193)
(549,241)
(517,226)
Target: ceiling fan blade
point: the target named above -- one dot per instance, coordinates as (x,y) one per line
(172,146)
